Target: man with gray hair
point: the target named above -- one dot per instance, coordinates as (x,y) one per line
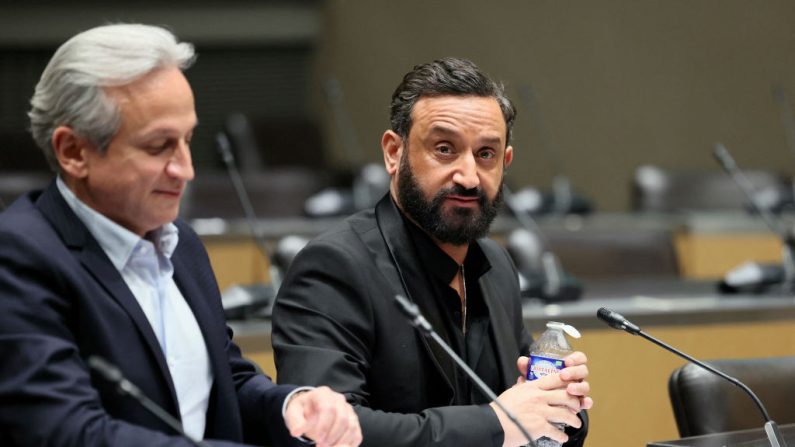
(446,151)
(97,266)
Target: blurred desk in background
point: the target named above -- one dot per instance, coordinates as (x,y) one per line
(742,438)
(599,246)
(710,244)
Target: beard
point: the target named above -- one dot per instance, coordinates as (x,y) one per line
(457,226)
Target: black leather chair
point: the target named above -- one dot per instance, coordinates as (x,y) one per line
(15,183)
(601,253)
(704,403)
(662,190)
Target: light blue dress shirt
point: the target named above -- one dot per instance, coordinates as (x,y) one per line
(145,265)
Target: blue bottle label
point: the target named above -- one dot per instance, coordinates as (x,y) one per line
(542,366)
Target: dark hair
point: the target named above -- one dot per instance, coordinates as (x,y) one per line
(448,76)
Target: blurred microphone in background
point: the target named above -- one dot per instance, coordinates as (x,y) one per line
(540,272)
(753,277)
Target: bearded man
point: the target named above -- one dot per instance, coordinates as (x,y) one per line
(335,320)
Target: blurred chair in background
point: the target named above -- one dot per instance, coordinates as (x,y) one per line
(601,253)
(23,167)
(276,192)
(704,403)
(15,183)
(656,189)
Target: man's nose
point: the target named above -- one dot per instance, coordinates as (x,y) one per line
(466,173)
(181,163)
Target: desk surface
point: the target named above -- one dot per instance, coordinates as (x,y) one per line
(743,438)
(646,302)
(661,302)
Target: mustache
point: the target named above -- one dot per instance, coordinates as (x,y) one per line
(458,190)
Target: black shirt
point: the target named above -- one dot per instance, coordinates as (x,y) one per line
(471,339)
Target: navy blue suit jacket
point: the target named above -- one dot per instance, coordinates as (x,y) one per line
(61,301)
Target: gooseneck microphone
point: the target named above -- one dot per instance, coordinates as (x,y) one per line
(617,321)
(224,148)
(248,297)
(728,164)
(415,317)
(542,269)
(788,262)
(113,375)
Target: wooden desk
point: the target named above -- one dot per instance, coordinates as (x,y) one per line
(710,244)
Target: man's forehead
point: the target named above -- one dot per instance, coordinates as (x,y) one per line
(446,115)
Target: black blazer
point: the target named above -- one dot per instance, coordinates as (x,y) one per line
(61,301)
(335,323)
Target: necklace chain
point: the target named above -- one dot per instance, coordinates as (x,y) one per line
(464,302)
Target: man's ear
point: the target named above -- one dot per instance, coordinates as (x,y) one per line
(508,157)
(70,151)
(392,146)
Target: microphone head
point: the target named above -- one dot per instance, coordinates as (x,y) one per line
(224,148)
(617,321)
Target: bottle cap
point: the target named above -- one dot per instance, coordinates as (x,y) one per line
(570,330)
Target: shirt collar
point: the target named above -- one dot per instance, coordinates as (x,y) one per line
(437,262)
(117,241)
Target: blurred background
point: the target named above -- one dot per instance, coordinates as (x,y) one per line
(621,103)
(616,83)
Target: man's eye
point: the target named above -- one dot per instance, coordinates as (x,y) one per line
(157,147)
(444,149)
(487,154)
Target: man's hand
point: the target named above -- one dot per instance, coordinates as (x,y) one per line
(323,416)
(556,398)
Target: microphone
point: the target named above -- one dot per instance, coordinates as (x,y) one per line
(415,317)
(744,276)
(114,375)
(243,140)
(541,275)
(617,321)
(245,297)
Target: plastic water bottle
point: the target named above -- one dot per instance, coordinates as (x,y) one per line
(546,357)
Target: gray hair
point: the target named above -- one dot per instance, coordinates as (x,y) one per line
(448,76)
(71,91)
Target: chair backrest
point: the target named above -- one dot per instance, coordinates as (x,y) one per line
(277,192)
(704,403)
(15,183)
(656,189)
(615,252)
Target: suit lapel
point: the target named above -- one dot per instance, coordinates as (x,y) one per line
(86,249)
(393,234)
(504,340)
